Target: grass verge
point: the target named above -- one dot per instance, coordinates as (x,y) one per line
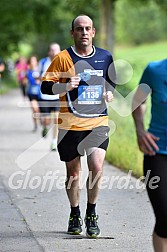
(123,150)
(6,84)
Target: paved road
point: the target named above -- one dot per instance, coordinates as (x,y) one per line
(34,208)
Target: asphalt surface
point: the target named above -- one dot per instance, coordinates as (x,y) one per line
(34,208)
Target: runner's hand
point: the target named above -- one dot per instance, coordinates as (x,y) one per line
(147,142)
(108,96)
(73,83)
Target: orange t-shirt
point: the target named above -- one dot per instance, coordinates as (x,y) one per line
(61,69)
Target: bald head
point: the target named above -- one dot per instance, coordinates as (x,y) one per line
(77,19)
(53,50)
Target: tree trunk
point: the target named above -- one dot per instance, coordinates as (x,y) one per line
(107,8)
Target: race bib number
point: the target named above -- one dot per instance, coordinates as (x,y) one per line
(90,94)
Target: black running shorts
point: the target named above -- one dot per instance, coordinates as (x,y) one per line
(74,143)
(33,97)
(157,168)
(48,106)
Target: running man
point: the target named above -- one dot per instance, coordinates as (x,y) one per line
(2,68)
(49,104)
(21,68)
(33,88)
(80,74)
(153,143)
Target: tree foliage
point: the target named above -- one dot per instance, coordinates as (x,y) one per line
(162,4)
(39,22)
(137,23)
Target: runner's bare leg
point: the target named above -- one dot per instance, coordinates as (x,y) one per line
(95,164)
(73,168)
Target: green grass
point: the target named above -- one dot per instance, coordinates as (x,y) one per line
(6,84)
(123,151)
(138,57)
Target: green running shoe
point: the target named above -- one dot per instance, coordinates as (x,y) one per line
(92,229)
(45,132)
(74,225)
(54,147)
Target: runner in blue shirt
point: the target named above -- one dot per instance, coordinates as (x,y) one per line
(33,88)
(153,143)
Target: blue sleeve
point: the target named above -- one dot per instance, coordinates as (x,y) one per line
(146,77)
